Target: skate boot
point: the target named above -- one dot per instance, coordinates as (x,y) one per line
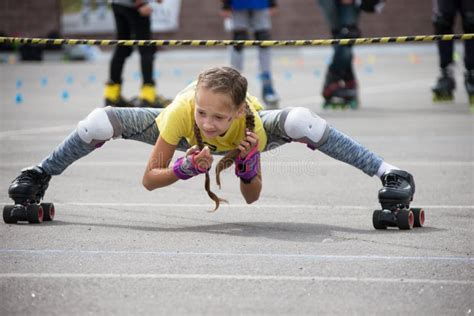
(338,93)
(148,98)
(112,95)
(395,197)
(350,94)
(350,86)
(26,191)
(444,87)
(269,96)
(469,84)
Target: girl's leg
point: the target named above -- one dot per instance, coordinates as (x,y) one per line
(101,125)
(301,125)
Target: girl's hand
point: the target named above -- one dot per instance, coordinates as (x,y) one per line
(192,150)
(202,158)
(248,143)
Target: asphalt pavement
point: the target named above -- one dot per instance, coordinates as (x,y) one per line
(307,247)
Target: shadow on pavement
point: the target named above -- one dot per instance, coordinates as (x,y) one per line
(301,232)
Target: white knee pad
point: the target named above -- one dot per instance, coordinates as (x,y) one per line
(302,125)
(96,127)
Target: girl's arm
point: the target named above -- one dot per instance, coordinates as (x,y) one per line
(157,172)
(249,148)
(251,191)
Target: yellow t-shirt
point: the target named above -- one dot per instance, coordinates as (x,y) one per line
(177,122)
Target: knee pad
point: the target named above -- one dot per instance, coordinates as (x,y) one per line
(443,24)
(302,125)
(468,22)
(241,35)
(98,126)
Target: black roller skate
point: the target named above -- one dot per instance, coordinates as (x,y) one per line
(395,197)
(27,190)
(469,83)
(444,87)
(339,93)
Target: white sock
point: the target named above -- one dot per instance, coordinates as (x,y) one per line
(384,167)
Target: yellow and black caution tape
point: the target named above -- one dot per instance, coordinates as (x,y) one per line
(316,42)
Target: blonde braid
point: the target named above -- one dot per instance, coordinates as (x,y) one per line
(207,183)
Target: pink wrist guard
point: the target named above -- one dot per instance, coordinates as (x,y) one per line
(247,168)
(186,167)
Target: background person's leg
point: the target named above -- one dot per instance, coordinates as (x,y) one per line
(467,13)
(113,88)
(240,32)
(444,12)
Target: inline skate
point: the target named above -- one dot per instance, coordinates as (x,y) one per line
(444,87)
(339,92)
(469,84)
(270,97)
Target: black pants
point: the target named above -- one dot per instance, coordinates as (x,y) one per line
(444,14)
(131,25)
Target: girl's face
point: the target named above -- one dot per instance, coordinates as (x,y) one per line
(214,112)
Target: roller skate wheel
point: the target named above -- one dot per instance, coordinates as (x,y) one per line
(34,213)
(405,219)
(419,217)
(7,214)
(353,105)
(49,211)
(376,220)
(442,97)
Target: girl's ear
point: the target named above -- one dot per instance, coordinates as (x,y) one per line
(241,110)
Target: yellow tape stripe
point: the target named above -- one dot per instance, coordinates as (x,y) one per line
(315,42)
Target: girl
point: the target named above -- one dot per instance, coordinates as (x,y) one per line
(214,115)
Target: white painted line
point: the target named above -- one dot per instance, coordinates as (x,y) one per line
(38,130)
(263,206)
(239,277)
(254,256)
(256,206)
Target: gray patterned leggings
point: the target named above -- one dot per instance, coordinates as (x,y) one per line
(139,124)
